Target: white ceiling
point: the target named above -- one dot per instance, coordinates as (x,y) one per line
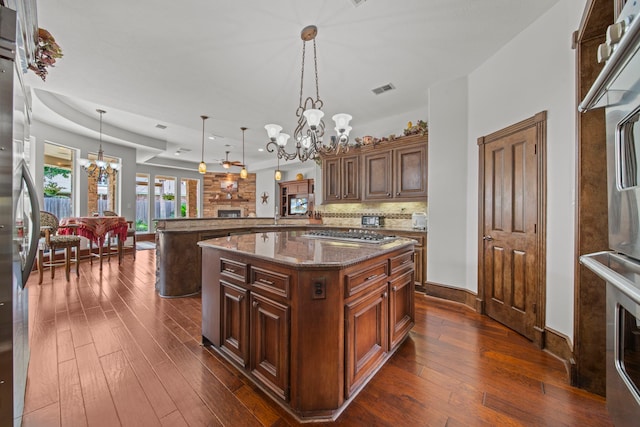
(148,62)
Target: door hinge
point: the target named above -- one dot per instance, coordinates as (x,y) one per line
(535,308)
(535,228)
(535,149)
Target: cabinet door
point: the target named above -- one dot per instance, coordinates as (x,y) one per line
(366,336)
(377,176)
(401,308)
(331,189)
(350,178)
(270,344)
(234,322)
(410,170)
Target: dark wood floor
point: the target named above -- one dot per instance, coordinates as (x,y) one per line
(107,351)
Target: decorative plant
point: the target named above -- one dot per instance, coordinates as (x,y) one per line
(47,51)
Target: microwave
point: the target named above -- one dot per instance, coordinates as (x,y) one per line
(372,221)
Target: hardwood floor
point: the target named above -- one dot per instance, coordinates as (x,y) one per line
(107,351)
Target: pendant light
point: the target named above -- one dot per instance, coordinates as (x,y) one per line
(278,175)
(243,172)
(202,167)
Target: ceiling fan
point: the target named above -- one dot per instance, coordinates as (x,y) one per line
(226,163)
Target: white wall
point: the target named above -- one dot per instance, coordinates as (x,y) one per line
(448,184)
(534,72)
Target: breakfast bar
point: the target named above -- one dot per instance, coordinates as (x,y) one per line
(309,318)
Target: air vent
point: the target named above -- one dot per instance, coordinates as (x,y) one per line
(181,151)
(357,3)
(159,126)
(383,89)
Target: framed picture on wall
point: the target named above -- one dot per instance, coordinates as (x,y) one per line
(229,186)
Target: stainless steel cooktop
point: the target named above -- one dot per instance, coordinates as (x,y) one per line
(363,236)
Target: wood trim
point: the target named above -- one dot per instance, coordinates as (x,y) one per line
(449,293)
(560,346)
(539,122)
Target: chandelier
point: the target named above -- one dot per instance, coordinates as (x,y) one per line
(100,168)
(310,129)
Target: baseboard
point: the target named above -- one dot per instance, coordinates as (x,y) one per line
(550,341)
(463,296)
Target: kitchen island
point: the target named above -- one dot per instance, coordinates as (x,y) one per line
(308,319)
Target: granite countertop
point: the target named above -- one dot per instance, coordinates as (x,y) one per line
(296,249)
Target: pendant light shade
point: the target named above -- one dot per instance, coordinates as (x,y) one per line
(243,172)
(202,167)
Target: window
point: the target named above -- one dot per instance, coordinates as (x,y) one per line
(58,180)
(142,202)
(165,197)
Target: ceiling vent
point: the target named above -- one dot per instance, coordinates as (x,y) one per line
(357,3)
(180,151)
(384,88)
(159,126)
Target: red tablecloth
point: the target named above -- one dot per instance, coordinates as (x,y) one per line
(95,228)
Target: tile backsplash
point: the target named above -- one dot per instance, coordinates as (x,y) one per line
(349,214)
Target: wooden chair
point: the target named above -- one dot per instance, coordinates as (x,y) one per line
(131,232)
(51,241)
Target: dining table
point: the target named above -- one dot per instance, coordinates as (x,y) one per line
(97,229)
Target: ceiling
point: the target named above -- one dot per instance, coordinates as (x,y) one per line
(150,63)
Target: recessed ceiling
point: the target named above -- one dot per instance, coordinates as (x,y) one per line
(148,63)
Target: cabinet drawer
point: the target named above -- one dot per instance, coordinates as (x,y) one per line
(400,262)
(358,281)
(233,270)
(270,281)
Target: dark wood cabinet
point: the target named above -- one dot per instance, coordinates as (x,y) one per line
(310,336)
(366,336)
(341,178)
(378,183)
(401,306)
(390,171)
(410,171)
(296,197)
(234,322)
(270,344)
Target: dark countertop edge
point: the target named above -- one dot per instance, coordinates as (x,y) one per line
(306,226)
(311,265)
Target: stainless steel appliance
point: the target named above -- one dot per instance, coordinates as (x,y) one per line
(364,236)
(617,88)
(372,221)
(19,211)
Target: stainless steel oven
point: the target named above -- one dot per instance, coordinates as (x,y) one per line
(617,89)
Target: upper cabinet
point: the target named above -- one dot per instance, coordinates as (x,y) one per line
(341,178)
(390,171)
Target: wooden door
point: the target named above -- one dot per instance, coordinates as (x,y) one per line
(510,255)
(410,172)
(270,344)
(377,175)
(234,322)
(350,177)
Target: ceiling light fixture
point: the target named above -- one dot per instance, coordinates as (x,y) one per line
(202,167)
(243,172)
(310,129)
(99,167)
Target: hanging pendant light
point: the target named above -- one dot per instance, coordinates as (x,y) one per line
(243,172)
(202,167)
(278,175)
(310,127)
(99,167)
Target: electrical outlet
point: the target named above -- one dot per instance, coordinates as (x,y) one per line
(319,289)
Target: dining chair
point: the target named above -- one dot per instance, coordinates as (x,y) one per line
(131,232)
(50,241)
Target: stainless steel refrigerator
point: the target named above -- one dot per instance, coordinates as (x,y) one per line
(19,217)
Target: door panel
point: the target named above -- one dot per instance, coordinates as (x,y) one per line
(510,221)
